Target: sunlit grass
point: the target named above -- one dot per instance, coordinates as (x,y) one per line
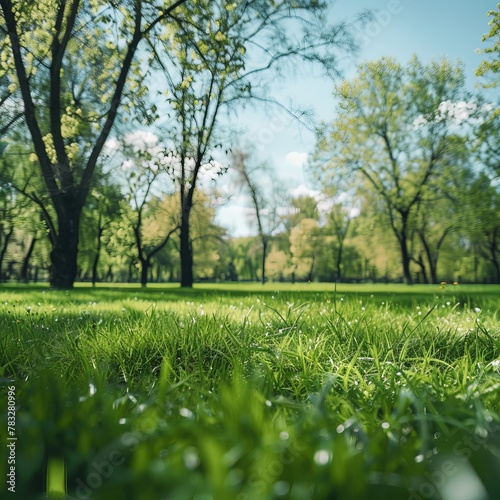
(254,392)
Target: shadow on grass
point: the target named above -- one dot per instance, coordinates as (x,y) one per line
(398,294)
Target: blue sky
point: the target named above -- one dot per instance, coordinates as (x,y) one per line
(428,28)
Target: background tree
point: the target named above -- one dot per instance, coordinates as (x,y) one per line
(481,207)
(338,222)
(101,209)
(396,131)
(266,206)
(151,221)
(305,245)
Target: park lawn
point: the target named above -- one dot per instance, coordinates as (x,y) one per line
(249,391)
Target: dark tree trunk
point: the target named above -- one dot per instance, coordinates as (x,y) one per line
(310,274)
(100,230)
(4,250)
(109,274)
(145,265)
(64,254)
(432,257)
(264,256)
(186,255)
(405,257)
(421,264)
(26,262)
(405,254)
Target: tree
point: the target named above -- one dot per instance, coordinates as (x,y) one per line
(304,247)
(491,67)
(144,167)
(396,132)
(86,51)
(101,209)
(481,224)
(265,205)
(338,222)
(218,56)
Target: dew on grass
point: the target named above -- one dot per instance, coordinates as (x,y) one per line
(340,429)
(191,458)
(184,412)
(419,458)
(284,435)
(322,457)
(385,425)
(281,488)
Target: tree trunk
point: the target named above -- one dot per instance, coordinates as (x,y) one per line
(432,258)
(26,261)
(264,255)
(64,254)
(100,230)
(405,257)
(4,250)
(310,274)
(424,270)
(145,265)
(186,254)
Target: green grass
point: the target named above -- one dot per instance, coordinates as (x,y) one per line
(250,391)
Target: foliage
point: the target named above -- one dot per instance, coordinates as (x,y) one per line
(491,67)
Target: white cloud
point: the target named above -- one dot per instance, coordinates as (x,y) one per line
(303,190)
(296,159)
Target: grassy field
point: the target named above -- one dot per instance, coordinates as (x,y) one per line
(306,391)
